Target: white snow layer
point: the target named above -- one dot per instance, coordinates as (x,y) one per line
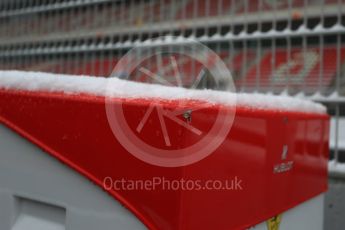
(99,86)
(336,167)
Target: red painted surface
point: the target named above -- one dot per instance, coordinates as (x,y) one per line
(75,130)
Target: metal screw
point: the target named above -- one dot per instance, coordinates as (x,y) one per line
(188,115)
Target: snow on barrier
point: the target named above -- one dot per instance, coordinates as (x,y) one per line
(336,168)
(274,157)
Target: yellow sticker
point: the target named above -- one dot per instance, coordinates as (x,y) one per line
(274,222)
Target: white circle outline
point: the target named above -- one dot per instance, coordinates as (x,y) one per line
(179,157)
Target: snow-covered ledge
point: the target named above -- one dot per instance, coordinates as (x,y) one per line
(336,169)
(99,86)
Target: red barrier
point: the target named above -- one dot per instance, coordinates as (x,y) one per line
(258,151)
